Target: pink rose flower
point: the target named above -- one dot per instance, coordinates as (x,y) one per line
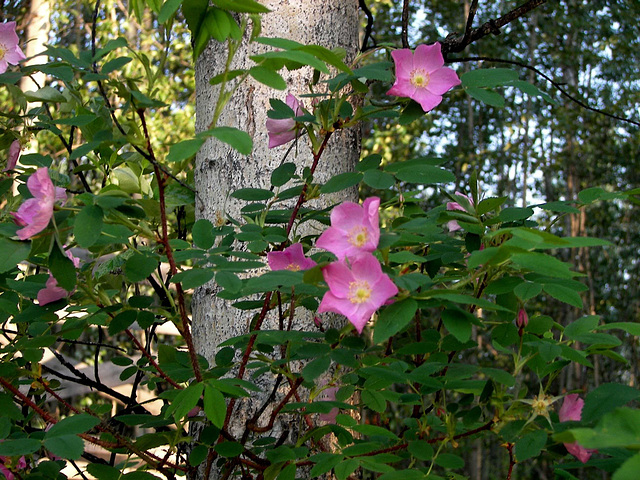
(422,76)
(571,411)
(354,229)
(291,258)
(34,214)
(356,292)
(283,130)
(10,52)
(453,225)
(13,156)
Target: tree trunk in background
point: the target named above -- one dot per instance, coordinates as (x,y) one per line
(37,36)
(221,170)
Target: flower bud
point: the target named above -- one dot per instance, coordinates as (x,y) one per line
(523,319)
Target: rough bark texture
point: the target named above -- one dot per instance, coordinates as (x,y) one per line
(221,170)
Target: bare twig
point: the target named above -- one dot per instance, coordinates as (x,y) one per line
(405,24)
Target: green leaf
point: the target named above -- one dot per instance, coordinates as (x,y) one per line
(103,472)
(184,150)
(378,179)
(393,319)
(184,401)
(229,281)
(424,175)
(62,268)
(87,226)
(606,398)
(45,94)
(543,264)
(408,474)
(421,450)
(530,445)
(341,182)
(564,294)
(324,462)
(488,97)
(527,290)
(316,367)
(70,447)
(242,6)
(458,323)
(411,112)
(268,77)
(581,326)
(122,321)
(252,194)
(14,253)
(20,446)
(490,204)
(299,58)
(168,9)
(449,460)
(193,278)
(488,77)
(237,139)
(282,174)
(346,468)
(202,232)
(115,64)
(139,266)
(629,469)
(374,400)
(72,425)
(512,214)
(215,406)
(229,449)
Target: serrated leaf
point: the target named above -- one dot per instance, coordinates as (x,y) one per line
(605,399)
(72,425)
(202,233)
(184,150)
(62,268)
(341,182)
(87,226)
(215,406)
(530,445)
(193,278)
(139,266)
(237,139)
(488,77)
(12,253)
(488,97)
(393,319)
(564,294)
(268,77)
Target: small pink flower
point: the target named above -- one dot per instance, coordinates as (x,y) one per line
(571,411)
(291,258)
(14,154)
(523,319)
(356,292)
(34,214)
(354,229)
(283,130)
(10,52)
(453,225)
(422,76)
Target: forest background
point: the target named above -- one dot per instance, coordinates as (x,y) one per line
(533,150)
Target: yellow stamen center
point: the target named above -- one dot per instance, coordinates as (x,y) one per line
(358,236)
(359,291)
(541,404)
(293,267)
(419,78)
(3,51)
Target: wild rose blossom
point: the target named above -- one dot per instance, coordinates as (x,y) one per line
(10,52)
(13,155)
(422,75)
(571,411)
(291,258)
(34,214)
(354,230)
(356,292)
(283,130)
(329,395)
(453,225)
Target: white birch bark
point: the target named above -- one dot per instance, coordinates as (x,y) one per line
(221,170)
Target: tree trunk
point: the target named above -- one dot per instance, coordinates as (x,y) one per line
(221,170)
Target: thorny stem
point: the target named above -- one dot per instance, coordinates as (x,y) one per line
(153,363)
(164,240)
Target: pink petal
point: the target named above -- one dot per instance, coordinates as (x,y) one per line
(338,278)
(442,80)
(52,292)
(14,154)
(36,214)
(329,394)
(428,57)
(336,241)
(453,226)
(347,215)
(280,131)
(581,453)
(403,59)
(427,100)
(292,256)
(402,88)
(40,184)
(331,303)
(6,472)
(455,206)
(294,104)
(571,409)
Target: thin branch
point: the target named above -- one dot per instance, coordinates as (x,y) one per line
(368,28)
(557,85)
(470,17)
(455,45)
(405,24)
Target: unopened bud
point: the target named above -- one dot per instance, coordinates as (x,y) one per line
(523,319)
